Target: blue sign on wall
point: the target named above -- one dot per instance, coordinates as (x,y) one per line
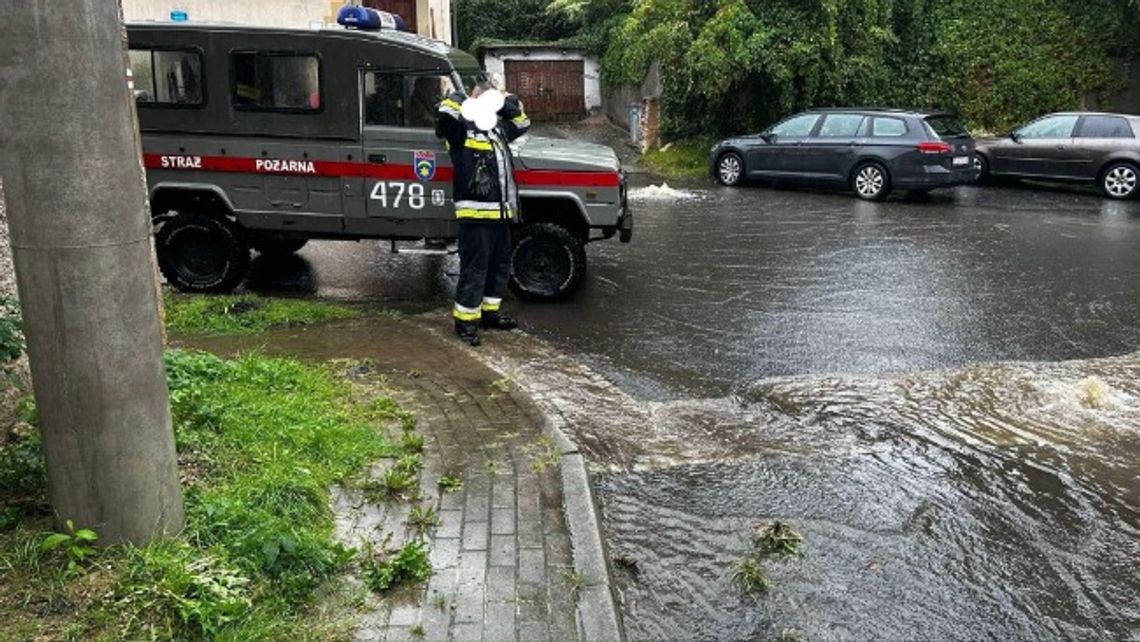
(179,16)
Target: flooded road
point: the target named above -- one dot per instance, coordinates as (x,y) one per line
(893,379)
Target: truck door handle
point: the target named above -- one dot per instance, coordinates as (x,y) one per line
(377,158)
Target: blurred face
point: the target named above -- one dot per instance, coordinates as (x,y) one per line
(475,91)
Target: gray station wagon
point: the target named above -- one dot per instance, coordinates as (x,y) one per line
(1074,146)
(870,150)
(259,139)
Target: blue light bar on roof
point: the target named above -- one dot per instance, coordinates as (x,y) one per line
(369,19)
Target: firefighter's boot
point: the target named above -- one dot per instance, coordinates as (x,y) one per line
(497,321)
(468,332)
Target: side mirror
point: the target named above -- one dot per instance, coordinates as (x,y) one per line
(1015,137)
(768,137)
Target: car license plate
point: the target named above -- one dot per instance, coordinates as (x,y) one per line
(961,161)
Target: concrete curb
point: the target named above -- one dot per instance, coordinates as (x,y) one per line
(598,619)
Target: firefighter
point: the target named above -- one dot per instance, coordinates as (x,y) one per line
(486,202)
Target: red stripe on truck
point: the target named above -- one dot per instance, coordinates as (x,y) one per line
(337,169)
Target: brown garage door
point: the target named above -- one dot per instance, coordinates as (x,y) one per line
(549,89)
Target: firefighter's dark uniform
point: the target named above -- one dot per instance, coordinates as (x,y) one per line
(486,201)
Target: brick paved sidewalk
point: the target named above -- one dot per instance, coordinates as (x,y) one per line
(502,565)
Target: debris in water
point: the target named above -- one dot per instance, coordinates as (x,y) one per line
(660,192)
(1094,393)
(749,576)
(776,538)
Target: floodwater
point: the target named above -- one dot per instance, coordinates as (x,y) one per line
(942,396)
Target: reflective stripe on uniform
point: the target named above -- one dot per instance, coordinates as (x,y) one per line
(491,304)
(464,313)
(484,215)
(450,104)
(521,120)
(483,146)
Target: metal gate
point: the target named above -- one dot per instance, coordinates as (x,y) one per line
(549,89)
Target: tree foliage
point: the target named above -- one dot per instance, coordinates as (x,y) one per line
(738,65)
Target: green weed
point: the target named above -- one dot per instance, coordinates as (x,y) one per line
(440,603)
(11,334)
(245,314)
(423,518)
(573,579)
(387,409)
(410,564)
(749,576)
(417,631)
(76,544)
(396,484)
(450,483)
(542,454)
(411,443)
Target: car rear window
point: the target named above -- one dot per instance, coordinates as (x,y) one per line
(1105,127)
(946,126)
(887,126)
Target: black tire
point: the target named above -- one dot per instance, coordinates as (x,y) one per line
(547,262)
(278,247)
(199,253)
(871,181)
(982,166)
(1119,181)
(730,169)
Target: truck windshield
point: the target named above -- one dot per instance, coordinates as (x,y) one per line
(468,78)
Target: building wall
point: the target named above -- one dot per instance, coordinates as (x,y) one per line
(493,62)
(434,16)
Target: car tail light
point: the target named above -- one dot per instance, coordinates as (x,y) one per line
(934,147)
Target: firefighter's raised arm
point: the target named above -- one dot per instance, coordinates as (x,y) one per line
(449,121)
(515,121)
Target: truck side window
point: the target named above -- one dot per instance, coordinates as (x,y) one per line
(164,77)
(400,100)
(273,81)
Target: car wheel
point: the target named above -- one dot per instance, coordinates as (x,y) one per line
(547,262)
(199,253)
(871,182)
(278,247)
(730,169)
(982,167)
(1119,180)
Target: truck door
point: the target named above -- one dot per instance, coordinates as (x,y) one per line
(407,174)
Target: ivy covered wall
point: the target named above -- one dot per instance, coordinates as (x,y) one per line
(995,62)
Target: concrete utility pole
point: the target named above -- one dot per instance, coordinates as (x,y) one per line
(69,158)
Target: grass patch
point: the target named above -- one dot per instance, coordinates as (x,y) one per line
(246,313)
(689,159)
(261,441)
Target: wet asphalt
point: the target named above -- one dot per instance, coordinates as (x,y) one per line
(838,357)
(722,287)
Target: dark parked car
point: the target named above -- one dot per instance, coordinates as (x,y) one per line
(871,150)
(1087,147)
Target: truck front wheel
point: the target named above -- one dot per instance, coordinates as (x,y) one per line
(547,262)
(199,253)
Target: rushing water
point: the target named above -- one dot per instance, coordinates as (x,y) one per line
(996,502)
(945,492)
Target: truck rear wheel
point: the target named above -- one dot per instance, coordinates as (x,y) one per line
(547,262)
(199,253)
